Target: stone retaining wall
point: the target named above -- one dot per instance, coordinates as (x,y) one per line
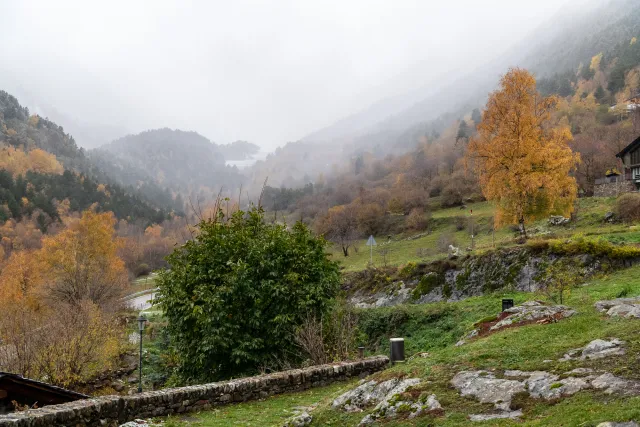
(613,189)
(115,410)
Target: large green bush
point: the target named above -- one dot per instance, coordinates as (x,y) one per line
(235,294)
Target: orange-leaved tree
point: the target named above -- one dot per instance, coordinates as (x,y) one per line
(522,159)
(83,264)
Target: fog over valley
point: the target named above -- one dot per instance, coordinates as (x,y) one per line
(265,72)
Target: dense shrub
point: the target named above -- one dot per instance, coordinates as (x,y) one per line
(142,270)
(235,295)
(417,220)
(628,207)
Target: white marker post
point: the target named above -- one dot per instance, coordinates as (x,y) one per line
(371,243)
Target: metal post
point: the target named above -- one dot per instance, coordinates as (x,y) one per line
(360,352)
(140,366)
(371,254)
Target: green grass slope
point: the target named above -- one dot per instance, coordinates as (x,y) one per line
(524,348)
(454,224)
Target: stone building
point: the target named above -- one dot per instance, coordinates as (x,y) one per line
(627,179)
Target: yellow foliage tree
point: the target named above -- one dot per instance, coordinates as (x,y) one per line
(21,278)
(82,262)
(595,62)
(18,162)
(522,160)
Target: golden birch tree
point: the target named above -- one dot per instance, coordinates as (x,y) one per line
(523,161)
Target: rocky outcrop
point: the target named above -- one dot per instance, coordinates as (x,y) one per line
(526,313)
(519,268)
(596,349)
(558,220)
(533,311)
(614,424)
(485,387)
(388,398)
(620,307)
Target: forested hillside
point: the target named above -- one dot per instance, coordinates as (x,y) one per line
(186,163)
(373,192)
(41,167)
(554,51)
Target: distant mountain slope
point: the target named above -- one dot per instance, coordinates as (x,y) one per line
(30,192)
(570,38)
(184,162)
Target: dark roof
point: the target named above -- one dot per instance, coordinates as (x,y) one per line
(635,144)
(40,386)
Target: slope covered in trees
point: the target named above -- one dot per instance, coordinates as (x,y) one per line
(569,39)
(41,166)
(186,163)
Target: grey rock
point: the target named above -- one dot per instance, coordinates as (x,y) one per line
(605,305)
(461,342)
(558,220)
(387,410)
(499,415)
(371,393)
(598,349)
(302,420)
(486,388)
(532,310)
(616,385)
(609,217)
(614,424)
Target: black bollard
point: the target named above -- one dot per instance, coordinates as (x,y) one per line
(397,350)
(507,303)
(361,352)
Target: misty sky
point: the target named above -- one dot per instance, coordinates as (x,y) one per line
(264,71)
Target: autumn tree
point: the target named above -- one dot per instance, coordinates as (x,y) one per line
(340,225)
(82,262)
(523,161)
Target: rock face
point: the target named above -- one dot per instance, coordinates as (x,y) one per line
(466,276)
(620,307)
(487,388)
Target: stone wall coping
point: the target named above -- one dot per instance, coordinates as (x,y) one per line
(114,410)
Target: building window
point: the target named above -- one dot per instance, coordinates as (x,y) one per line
(635,157)
(635,173)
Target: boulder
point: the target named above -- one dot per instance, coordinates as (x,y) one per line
(609,217)
(558,220)
(454,252)
(301,420)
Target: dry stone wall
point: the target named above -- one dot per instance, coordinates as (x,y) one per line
(613,189)
(115,410)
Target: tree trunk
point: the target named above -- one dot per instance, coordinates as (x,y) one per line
(523,230)
(345,250)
